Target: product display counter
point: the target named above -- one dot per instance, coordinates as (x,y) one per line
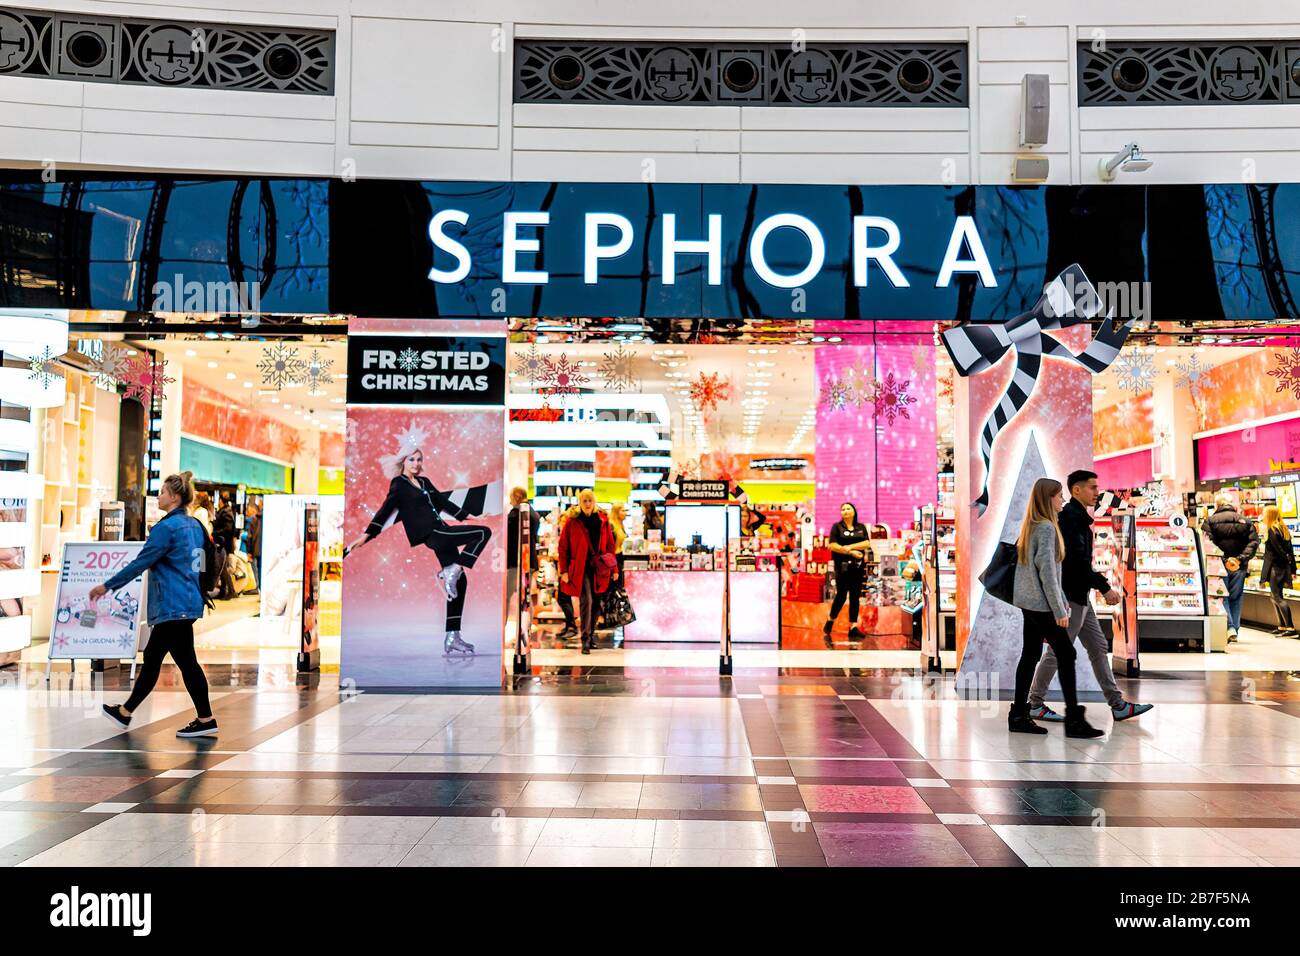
(686,606)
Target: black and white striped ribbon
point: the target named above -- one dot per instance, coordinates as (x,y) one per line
(1068,300)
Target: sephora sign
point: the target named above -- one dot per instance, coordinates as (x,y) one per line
(606,237)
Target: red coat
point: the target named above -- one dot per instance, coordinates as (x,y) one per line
(575,552)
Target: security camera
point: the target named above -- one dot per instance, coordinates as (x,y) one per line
(1129,160)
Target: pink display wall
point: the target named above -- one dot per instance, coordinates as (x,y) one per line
(1248,451)
(1124,471)
(885,468)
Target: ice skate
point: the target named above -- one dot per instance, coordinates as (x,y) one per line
(450,578)
(452,642)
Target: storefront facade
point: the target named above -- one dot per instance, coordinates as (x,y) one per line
(852,272)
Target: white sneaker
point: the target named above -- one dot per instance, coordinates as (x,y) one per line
(450,577)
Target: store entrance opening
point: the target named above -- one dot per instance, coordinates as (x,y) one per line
(257,417)
(786,424)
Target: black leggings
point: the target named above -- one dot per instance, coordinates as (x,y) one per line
(459,545)
(175,638)
(1041,626)
(848,585)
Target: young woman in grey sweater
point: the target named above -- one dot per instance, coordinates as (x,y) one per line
(1046,612)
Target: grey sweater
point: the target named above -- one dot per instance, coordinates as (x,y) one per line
(1038,583)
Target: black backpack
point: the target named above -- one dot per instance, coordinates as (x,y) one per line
(210,572)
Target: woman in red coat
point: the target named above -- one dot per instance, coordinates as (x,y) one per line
(587,561)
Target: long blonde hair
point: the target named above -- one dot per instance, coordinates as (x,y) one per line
(1041,507)
(1273,519)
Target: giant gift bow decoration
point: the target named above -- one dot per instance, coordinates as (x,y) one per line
(1068,300)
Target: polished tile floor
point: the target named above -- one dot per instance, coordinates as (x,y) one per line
(603,766)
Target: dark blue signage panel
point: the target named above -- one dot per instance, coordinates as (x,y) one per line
(411,249)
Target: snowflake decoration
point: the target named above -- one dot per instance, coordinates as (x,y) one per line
(616,369)
(947,384)
(1135,371)
(892,398)
(562,376)
(708,390)
(43,370)
(145,378)
(281,366)
(1287,372)
(689,469)
(1127,413)
(531,365)
(408,360)
(293,446)
(922,360)
(110,368)
(317,372)
(837,394)
(1193,376)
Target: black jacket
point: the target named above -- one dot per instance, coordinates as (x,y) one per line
(1232,534)
(420,509)
(223,529)
(1278,553)
(512,538)
(1077,575)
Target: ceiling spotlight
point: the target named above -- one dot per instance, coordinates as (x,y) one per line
(1128,160)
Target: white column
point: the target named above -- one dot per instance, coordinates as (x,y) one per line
(306,467)
(172,407)
(1173,420)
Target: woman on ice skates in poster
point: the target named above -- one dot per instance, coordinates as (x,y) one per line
(414,501)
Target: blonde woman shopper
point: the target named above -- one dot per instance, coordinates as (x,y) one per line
(1279,568)
(1038,594)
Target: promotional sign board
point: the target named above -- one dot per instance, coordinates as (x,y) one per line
(423,602)
(698,490)
(108,628)
(112,521)
(442,370)
(309,648)
(282,581)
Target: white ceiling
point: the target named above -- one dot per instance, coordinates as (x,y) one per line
(230,367)
(774,391)
(1166,359)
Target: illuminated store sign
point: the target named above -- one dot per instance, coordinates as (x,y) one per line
(606,237)
(778,464)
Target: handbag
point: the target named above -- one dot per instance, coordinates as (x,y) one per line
(618,608)
(999,578)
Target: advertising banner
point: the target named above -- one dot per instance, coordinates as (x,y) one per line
(281,584)
(424,521)
(309,648)
(108,628)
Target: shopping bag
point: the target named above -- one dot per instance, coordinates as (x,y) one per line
(618,608)
(999,578)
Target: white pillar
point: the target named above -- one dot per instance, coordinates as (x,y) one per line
(306,467)
(1173,421)
(169,455)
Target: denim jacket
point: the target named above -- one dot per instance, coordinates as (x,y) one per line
(172,555)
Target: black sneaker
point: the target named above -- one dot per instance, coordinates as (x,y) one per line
(197,728)
(114,713)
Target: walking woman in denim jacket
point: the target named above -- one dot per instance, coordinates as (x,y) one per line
(172,556)
(1038,594)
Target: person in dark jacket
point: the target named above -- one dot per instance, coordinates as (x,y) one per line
(585,544)
(1279,567)
(175,603)
(517,497)
(253,535)
(1078,579)
(1238,540)
(415,502)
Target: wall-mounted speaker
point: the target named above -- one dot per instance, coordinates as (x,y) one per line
(1035,109)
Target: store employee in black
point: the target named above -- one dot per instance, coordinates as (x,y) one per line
(850,542)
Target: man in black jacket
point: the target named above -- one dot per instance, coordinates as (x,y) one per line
(1238,540)
(1077,580)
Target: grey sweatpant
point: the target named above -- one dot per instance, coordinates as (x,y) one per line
(1083,624)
